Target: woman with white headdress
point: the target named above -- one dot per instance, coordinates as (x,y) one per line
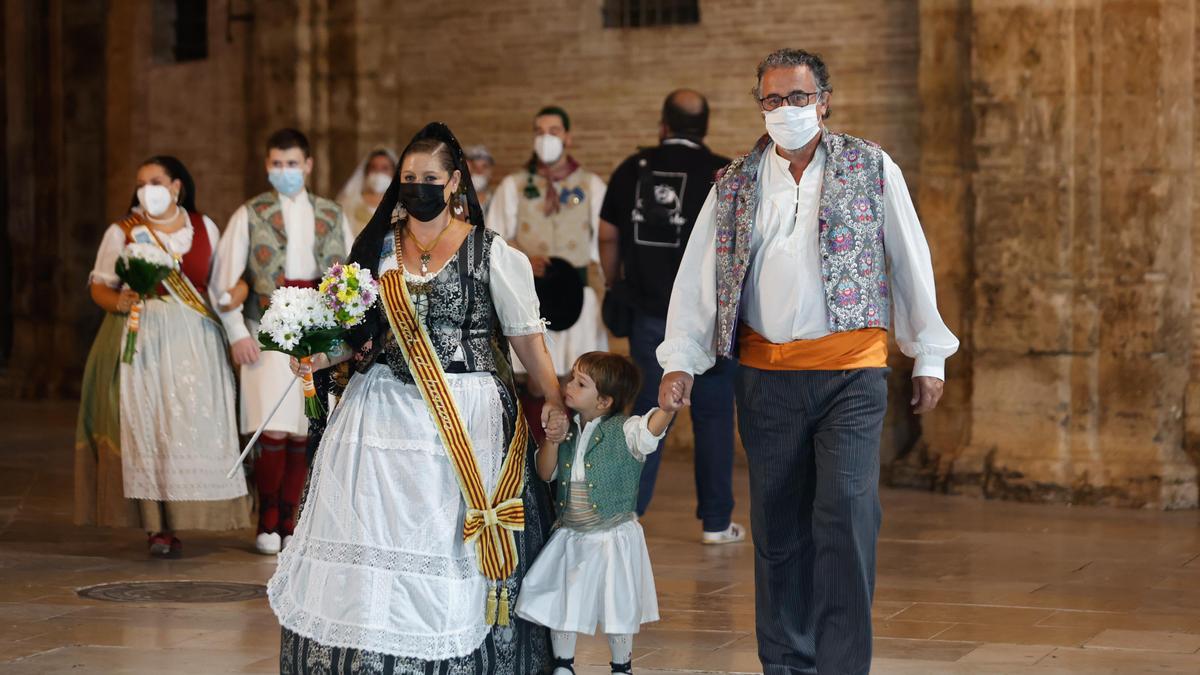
(362,193)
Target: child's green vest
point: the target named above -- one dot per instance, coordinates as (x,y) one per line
(613,474)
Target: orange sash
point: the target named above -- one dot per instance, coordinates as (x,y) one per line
(865,348)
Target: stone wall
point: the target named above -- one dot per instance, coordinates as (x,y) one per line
(54,110)
(195,110)
(1051,148)
(1078,238)
(485,68)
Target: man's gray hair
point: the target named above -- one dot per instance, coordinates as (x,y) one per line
(793,58)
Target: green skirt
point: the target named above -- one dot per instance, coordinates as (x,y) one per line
(99,493)
(99,485)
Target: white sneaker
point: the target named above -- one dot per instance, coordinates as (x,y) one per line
(287,540)
(268,543)
(730,535)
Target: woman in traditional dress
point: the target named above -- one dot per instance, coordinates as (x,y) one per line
(418,529)
(156,436)
(360,196)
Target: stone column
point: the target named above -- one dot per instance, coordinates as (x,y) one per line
(944,198)
(54,196)
(1083,134)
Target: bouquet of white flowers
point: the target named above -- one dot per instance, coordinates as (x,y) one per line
(142,267)
(302,322)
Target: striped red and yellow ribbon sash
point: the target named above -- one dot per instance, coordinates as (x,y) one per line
(177,284)
(490,521)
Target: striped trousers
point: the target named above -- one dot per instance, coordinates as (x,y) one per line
(812,446)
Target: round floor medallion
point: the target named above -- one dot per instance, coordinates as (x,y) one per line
(174,591)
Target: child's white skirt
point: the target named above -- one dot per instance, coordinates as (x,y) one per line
(584,580)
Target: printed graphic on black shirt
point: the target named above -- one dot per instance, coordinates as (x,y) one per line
(661,223)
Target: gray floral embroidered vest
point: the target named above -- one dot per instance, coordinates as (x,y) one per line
(457,310)
(268,245)
(851,215)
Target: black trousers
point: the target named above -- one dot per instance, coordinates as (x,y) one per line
(812,445)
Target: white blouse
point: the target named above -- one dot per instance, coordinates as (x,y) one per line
(784,298)
(178,242)
(638,438)
(510,279)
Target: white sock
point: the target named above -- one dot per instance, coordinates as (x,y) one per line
(563,644)
(622,648)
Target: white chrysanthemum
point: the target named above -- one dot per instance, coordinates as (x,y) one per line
(148,253)
(293,312)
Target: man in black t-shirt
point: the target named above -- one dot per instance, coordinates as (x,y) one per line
(652,201)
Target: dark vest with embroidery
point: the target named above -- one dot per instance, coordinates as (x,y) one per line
(268,245)
(458,311)
(851,215)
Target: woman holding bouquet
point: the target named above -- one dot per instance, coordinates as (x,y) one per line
(156,434)
(422,515)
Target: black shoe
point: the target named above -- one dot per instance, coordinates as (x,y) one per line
(626,667)
(569,664)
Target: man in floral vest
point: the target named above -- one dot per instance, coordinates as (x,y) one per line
(806,252)
(284,237)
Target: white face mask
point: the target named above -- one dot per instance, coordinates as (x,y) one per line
(378,182)
(480,182)
(792,128)
(155,199)
(548,148)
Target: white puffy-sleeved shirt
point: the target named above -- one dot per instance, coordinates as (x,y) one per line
(784,297)
(638,438)
(299,224)
(178,243)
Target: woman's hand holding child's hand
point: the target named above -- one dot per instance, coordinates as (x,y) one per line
(556,427)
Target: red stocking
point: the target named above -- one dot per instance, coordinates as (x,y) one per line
(268,478)
(294,475)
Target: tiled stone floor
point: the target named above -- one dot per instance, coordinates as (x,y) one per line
(964,586)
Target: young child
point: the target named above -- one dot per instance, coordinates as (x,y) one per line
(595,570)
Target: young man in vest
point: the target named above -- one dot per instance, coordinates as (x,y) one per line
(802,251)
(284,237)
(552,210)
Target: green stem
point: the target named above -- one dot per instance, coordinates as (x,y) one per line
(130,346)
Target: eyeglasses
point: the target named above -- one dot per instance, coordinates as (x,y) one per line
(797,98)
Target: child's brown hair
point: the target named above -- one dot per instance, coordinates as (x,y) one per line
(615,376)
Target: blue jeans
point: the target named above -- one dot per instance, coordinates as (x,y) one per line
(712,425)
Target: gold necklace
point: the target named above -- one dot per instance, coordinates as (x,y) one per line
(427,251)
